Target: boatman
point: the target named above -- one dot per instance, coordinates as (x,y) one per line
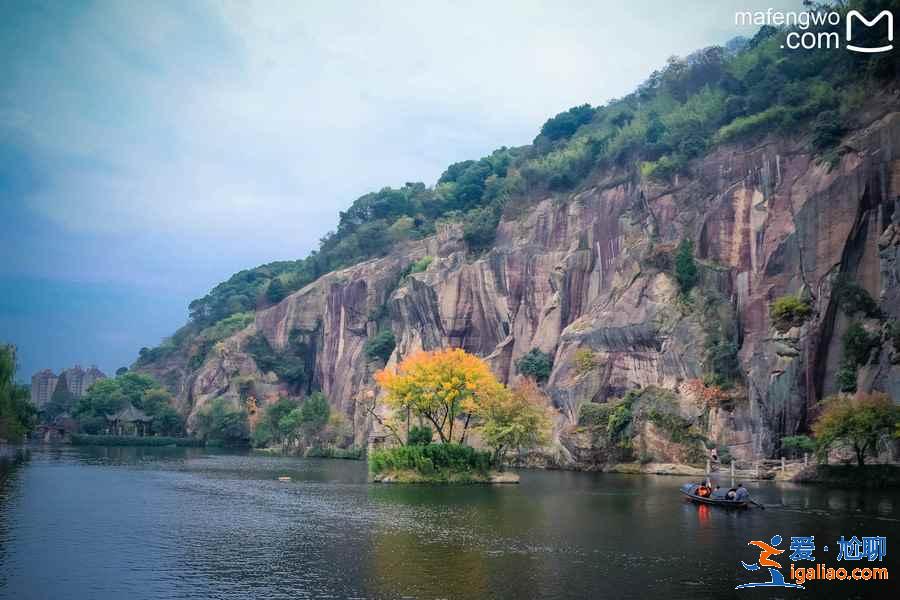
(741,494)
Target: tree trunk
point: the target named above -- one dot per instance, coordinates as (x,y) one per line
(462,440)
(860,454)
(439,429)
(450,433)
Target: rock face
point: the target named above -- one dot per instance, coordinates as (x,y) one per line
(593,270)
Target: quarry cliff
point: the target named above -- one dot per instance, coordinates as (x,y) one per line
(587,277)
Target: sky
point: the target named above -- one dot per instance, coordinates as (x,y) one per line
(148,150)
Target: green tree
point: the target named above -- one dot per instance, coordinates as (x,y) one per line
(61,401)
(858,344)
(860,422)
(276,292)
(535,364)
(789,311)
(685,266)
(273,416)
(154,400)
(380,346)
(796,445)
(480,228)
(133,386)
(17,414)
(567,123)
(314,413)
(419,436)
(107,396)
(290,426)
(224,422)
(517,419)
(167,421)
(828,129)
(262,435)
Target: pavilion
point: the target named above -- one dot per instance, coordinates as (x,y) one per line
(129,421)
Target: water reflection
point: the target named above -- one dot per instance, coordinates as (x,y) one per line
(188,522)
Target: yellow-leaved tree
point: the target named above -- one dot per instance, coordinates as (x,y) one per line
(440,386)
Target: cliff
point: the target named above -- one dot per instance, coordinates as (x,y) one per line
(593,270)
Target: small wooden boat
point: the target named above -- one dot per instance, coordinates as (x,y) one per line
(695,493)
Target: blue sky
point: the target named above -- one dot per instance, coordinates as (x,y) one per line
(150,149)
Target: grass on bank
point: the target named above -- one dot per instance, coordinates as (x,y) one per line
(352,453)
(443,463)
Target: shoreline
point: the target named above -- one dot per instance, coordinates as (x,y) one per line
(467,478)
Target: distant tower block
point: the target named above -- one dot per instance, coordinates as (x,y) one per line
(42,385)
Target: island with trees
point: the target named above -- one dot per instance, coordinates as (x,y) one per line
(441,402)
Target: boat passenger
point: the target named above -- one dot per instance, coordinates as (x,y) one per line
(718,493)
(731,494)
(741,493)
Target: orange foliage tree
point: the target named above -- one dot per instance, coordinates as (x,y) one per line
(440,386)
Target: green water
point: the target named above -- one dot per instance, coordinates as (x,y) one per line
(153,523)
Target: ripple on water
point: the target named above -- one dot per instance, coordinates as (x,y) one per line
(177,523)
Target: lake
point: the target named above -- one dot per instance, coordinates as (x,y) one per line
(153,523)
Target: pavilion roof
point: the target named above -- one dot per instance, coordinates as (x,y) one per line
(129,414)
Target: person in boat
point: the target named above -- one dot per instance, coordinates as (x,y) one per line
(718,493)
(741,494)
(731,494)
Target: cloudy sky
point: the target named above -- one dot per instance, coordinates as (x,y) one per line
(150,149)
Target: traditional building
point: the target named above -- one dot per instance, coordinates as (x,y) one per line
(59,430)
(129,421)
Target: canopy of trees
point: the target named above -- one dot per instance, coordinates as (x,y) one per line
(223,422)
(716,95)
(310,424)
(517,419)
(108,396)
(439,386)
(861,422)
(444,386)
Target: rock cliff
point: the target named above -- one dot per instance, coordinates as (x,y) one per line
(593,270)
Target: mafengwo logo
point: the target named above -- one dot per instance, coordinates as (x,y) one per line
(885,14)
(808,30)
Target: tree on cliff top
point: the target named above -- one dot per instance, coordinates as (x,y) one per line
(861,422)
(713,96)
(439,386)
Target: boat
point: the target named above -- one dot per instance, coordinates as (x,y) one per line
(694,492)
